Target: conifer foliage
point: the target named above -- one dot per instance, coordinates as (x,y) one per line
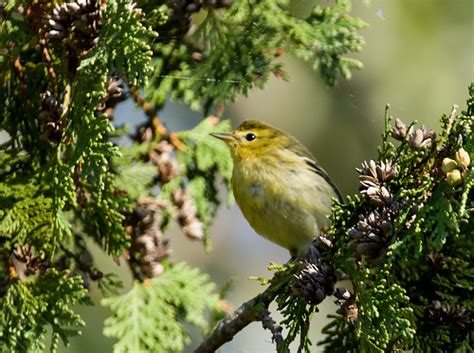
(403,244)
(406,243)
(65,183)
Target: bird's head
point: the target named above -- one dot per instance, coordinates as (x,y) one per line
(253,139)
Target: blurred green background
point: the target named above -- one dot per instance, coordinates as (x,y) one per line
(418,57)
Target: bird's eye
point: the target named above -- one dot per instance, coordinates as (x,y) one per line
(250,136)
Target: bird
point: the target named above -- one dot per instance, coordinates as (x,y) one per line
(282,191)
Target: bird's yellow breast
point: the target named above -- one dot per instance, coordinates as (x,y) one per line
(285,206)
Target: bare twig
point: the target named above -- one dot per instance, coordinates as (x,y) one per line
(452,116)
(155,122)
(21,78)
(248,312)
(321,277)
(277,337)
(149,111)
(448,126)
(49,65)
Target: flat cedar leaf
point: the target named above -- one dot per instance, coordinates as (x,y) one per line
(58,176)
(198,189)
(251,35)
(209,152)
(29,309)
(150,317)
(204,160)
(37,229)
(135,178)
(415,294)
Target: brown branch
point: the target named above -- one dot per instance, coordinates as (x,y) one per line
(49,65)
(149,111)
(256,309)
(277,337)
(315,280)
(155,122)
(22,81)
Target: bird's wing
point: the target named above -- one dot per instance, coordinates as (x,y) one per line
(302,152)
(322,173)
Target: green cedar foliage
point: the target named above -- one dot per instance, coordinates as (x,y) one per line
(404,242)
(28,308)
(409,255)
(231,52)
(55,165)
(205,159)
(148,318)
(64,181)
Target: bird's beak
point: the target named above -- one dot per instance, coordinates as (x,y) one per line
(223,136)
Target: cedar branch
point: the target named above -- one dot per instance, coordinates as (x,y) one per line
(255,309)
(277,337)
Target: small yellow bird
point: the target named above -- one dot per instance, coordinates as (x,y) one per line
(282,191)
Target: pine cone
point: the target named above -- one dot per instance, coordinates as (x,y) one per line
(373,231)
(115,88)
(322,243)
(448,314)
(162,156)
(378,196)
(190,224)
(115,93)
(30,263)
(147,249)
(143,134)
(76,23)
(463,159)
(419,138)
(348,306)
(315,279)
(372,174)
(399,131)
(371,177)
(437,261)
(50,118)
